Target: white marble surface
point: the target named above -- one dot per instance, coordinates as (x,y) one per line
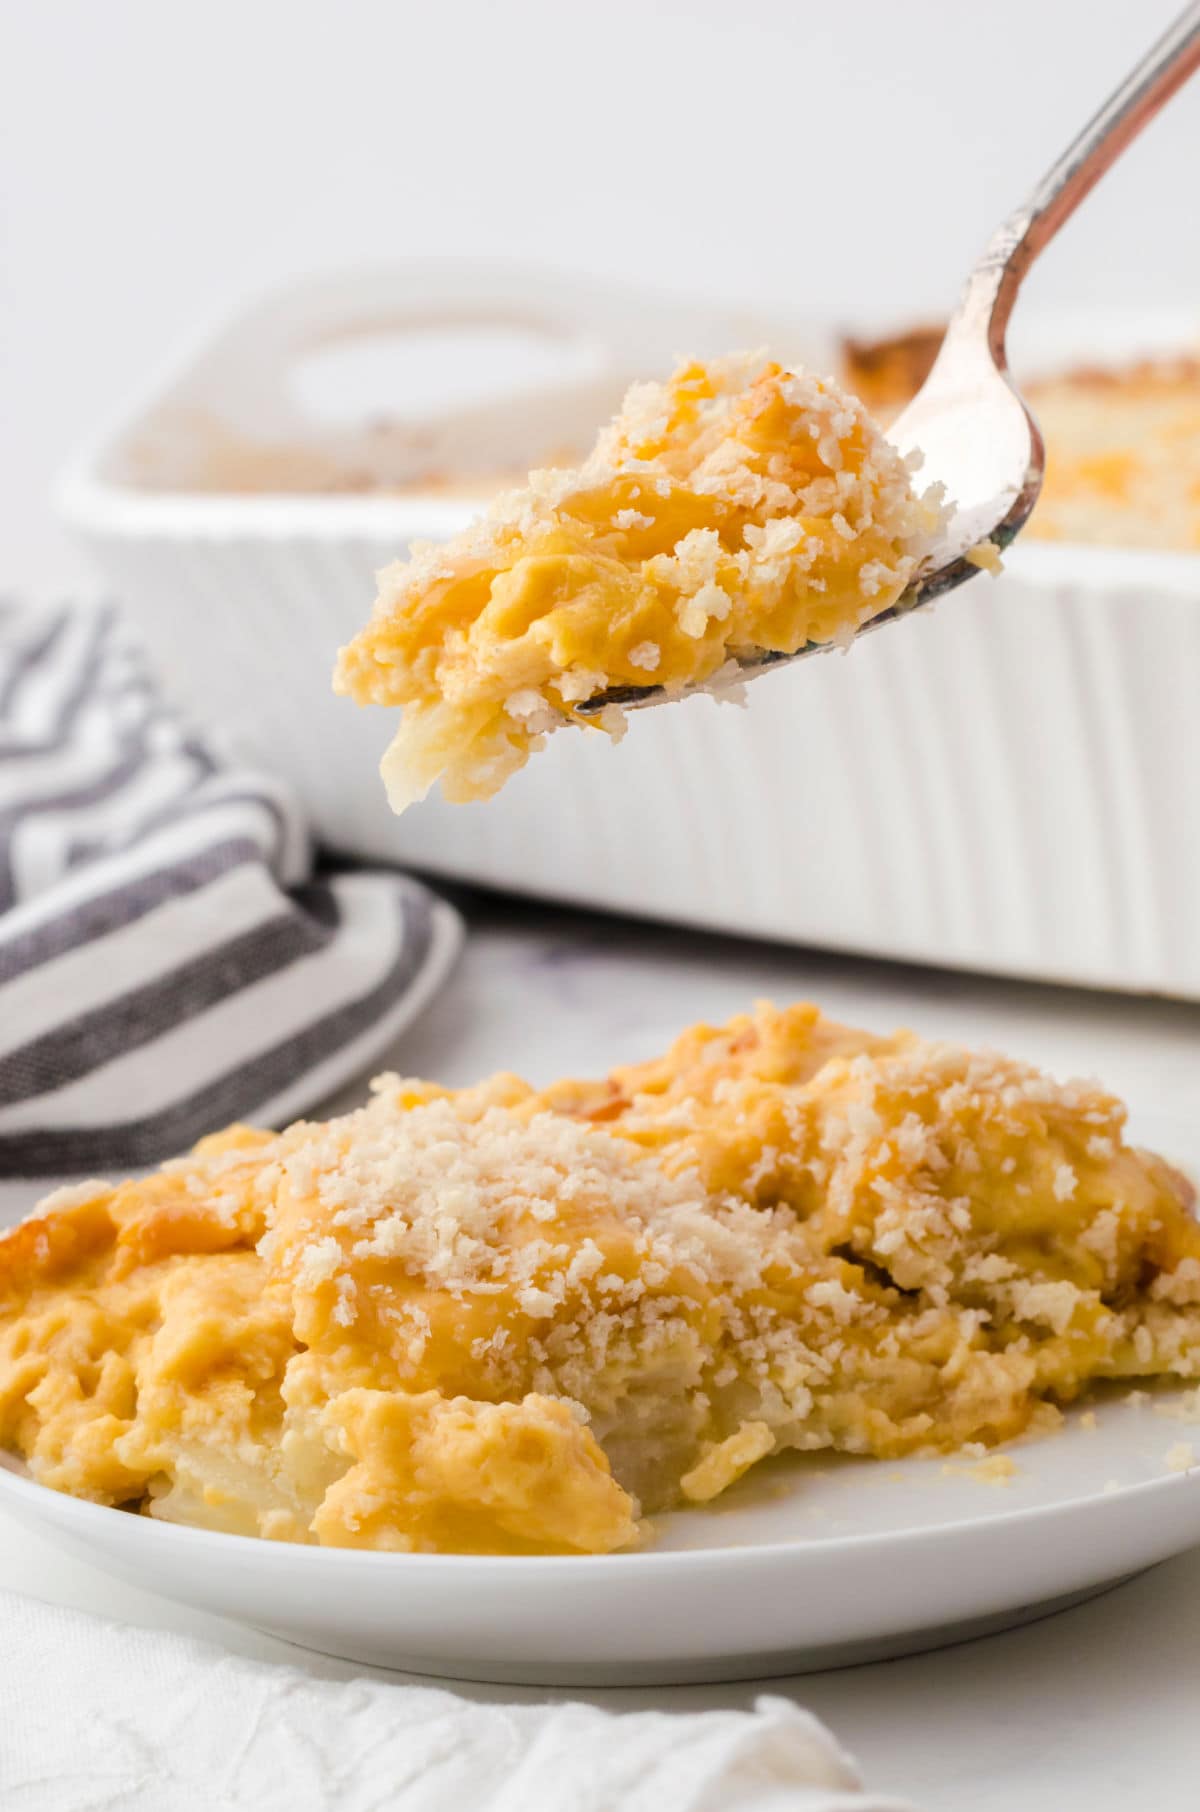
(1089,1711)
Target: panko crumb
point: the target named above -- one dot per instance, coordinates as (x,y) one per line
(986,556)
(1180,1458)
(646,655)
(997,1469)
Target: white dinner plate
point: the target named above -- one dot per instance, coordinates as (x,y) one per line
(815,1565)
(809,1563)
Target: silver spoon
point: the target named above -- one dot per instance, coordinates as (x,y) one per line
(968,419)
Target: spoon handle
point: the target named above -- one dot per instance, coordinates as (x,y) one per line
(992,286)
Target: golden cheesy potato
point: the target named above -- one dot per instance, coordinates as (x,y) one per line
(737,507)
(509,1320)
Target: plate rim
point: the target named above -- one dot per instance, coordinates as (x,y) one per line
(674,1559)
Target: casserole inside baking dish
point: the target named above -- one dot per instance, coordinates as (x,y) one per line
(1122,438)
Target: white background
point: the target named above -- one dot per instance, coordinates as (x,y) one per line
(161,162)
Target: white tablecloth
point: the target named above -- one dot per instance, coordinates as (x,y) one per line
(97,1716)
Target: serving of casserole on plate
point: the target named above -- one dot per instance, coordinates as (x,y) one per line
(514,1321)
(798,1306)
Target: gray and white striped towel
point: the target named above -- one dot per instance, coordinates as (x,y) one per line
(168,962)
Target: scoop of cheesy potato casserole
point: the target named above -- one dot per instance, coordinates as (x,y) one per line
(518,1321)
(736,507)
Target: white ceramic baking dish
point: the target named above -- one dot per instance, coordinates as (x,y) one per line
(1008,783)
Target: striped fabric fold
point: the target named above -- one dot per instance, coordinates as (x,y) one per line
(168,959)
